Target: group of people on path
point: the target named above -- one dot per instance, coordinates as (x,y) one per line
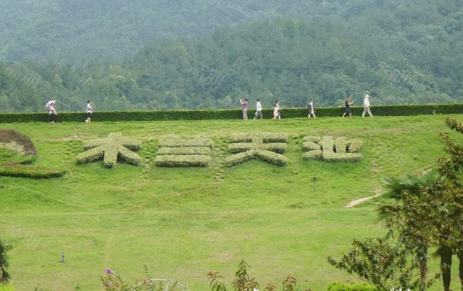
(50,106)
(366,106)
(311,108)
(244,104)
(258,114)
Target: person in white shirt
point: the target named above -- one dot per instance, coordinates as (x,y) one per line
(276,110)
(311,108)
(366,106)
(258,110)
(89,110)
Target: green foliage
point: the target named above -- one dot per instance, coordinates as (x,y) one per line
(192,219)
(330,149)
(31,171)
(8,287)
(177,152)
(111,149)
(380,263)
(404,52)
(4,275)
(338,286)
(268,147)
(113,282)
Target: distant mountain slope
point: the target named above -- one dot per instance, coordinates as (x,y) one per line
(69,30)
(72,31)
(208,54)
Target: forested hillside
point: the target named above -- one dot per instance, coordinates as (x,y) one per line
(208,54)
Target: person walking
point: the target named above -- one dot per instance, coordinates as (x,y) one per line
(258,110)
(311,108)
(348,104)
(244,105)
(366,105)
(276,110)
(51,111)
(89,110)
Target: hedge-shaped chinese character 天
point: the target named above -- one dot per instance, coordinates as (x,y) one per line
(110,149)
(330,149)
(176,152)
(267,147)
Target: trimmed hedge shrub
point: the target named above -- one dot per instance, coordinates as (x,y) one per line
(310,146)
(184,151)
(268,147)
(273,147)
(267,156)
(313,155)
(266,137)
(354,145)
(105,116)
(328,149)
(110,149)
(30,171)
(183,161)
(17,141)
(176,152)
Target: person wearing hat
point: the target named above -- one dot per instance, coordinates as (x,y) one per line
(366,105)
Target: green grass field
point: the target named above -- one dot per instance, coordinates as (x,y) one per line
(184,222)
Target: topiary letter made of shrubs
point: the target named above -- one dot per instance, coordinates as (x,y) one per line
(111,149)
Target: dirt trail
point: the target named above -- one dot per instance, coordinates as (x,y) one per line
(361,200)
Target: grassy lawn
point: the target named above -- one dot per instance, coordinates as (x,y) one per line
(184,222)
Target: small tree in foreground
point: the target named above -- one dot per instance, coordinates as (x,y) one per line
(243,282)
(4,276)
(380,263)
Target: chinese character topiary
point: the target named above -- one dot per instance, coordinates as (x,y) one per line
(110,150)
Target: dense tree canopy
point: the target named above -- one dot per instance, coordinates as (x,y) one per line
(209,54)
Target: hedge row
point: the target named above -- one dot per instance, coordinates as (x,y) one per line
(380,110)
(31,172)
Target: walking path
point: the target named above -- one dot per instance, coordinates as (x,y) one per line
(361,200)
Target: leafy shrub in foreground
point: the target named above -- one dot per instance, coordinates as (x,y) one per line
(113,282)
(7,287)
(338,286)
(243,282)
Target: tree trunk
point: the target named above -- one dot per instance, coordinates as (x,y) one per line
(446,265)
(423,259)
